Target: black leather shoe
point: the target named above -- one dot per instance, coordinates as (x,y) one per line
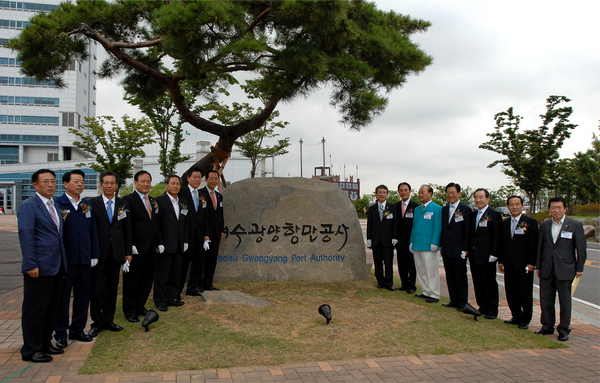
(512,321)
(411,291)
(563,337)
(176,303)
(81,337)
(421,296)
(113,327)
(37,357)
(51,350)
(193,293)
(133,319)
(491,317)
(62,343)
(162,308)
(390,288)
(450,304)
(142,312)
(94,331)
(401,288)
(523,326)
(543,331)
(432,300)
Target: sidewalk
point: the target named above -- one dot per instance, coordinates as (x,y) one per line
(578,363)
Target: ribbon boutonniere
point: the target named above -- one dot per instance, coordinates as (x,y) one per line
(122,210)
(85,208)
(522,225)
(64,213)
(154,204)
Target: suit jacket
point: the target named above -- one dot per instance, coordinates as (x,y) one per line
(115,235)
(382,231)
(214,223)
(485,240)
(41,242)
(142,227)
(196,219)
(456,231)
(520,250)
(80,235)
(405,223)
(172,232)
(561,255)
(426,231)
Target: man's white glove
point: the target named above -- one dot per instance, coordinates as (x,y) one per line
(185,247)
(206,246)
(410,247)
(134,250)
(463,255)
(434,247)
(368,243)
(126,267)
(160,249)
(94,261)
(492,259)
(394,242)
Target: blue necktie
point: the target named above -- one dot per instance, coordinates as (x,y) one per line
(477,220)
(109,211)
(195,192)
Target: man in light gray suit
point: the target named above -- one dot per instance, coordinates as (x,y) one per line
(561,256)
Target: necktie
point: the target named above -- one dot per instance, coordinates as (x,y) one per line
(477,220)
(195,193)
(403,208)
(450,212)
(52,212)
(381,212)
(148,206)
(514,226)
(214,200)
(109,210)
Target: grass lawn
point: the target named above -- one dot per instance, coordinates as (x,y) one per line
(367,322)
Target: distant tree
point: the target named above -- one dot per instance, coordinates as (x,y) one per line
(587,171)
(115,147)
(531,155)
(155,191)
(363,203)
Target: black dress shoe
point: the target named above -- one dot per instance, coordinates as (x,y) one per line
(450,304)
(563,337)
(193,293)
(512,321)
(401,288)
(421,296)
(51,350)
(379,287)
(81,337)
(62,343)
(113,327)
(162,308)
(390,288)
(133,319)
(37,357)
(491,317)
(94,331)
(523,326)
(432,300)
(175,302)
(543,331)
(411,291)
(142,312)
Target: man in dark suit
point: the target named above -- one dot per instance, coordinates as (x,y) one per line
(560,258)
(194,257)
(214,226)
(517,261)
(44,266)
(80,238)
(454,242)
(172,233)
(404,257)
(382,229)
(137,283)
(114,234)
(485,249)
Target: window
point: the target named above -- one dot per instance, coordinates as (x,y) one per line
(68,119)
(52,157)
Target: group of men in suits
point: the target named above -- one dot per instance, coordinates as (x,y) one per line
(488,242)
(72,245)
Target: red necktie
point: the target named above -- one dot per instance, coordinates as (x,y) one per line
(214,200)
(148,206)
(403,208)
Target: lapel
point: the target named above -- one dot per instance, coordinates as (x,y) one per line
(170,204)
(103,210)
(46,214)
(137,200)
(565,226)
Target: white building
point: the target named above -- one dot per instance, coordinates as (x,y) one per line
(35,117)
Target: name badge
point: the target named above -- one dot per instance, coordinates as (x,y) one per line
(566,234)
(184,211)
(156,211)
(204,205)
(460,218)
(482,223)
(121,216)
(221,204)
(519,231)
(428,215)
(390,216)
(409,215)
(88,214)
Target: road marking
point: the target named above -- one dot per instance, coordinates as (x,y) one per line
(591,263)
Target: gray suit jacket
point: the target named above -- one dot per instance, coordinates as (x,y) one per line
(561,256)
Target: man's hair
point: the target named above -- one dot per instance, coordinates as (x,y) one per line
(452,184)
(194,169)
(487,193)
(168,178)
(108,173)
(211,171)
(381,187)
(67,176)
(557,199)
(404,183)
(429,188)
(35,176)
(514,196)
(141,172)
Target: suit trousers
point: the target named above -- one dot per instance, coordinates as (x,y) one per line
(456,278)
(486,287)
(167,278)
(105,287)
(137,283)
(406,267)
(548,289)
(210,263)
(383,258)
(77,280)
(197,256)
(185,265)
(519,293)
(428,273)
(41,300)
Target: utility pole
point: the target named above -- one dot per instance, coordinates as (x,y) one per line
(323,141)
(301,158)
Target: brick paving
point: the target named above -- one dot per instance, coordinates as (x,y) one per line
(578,363)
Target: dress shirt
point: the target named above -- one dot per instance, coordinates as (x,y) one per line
(195,198)
(175,202)
(556,228)
(480,214)
(73,202)
(53,214)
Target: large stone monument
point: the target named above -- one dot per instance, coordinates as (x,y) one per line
(289,228)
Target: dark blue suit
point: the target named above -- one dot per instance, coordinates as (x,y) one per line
(381,232)
(42,248)
(81,244)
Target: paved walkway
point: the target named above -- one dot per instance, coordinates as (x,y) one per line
(578,363)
